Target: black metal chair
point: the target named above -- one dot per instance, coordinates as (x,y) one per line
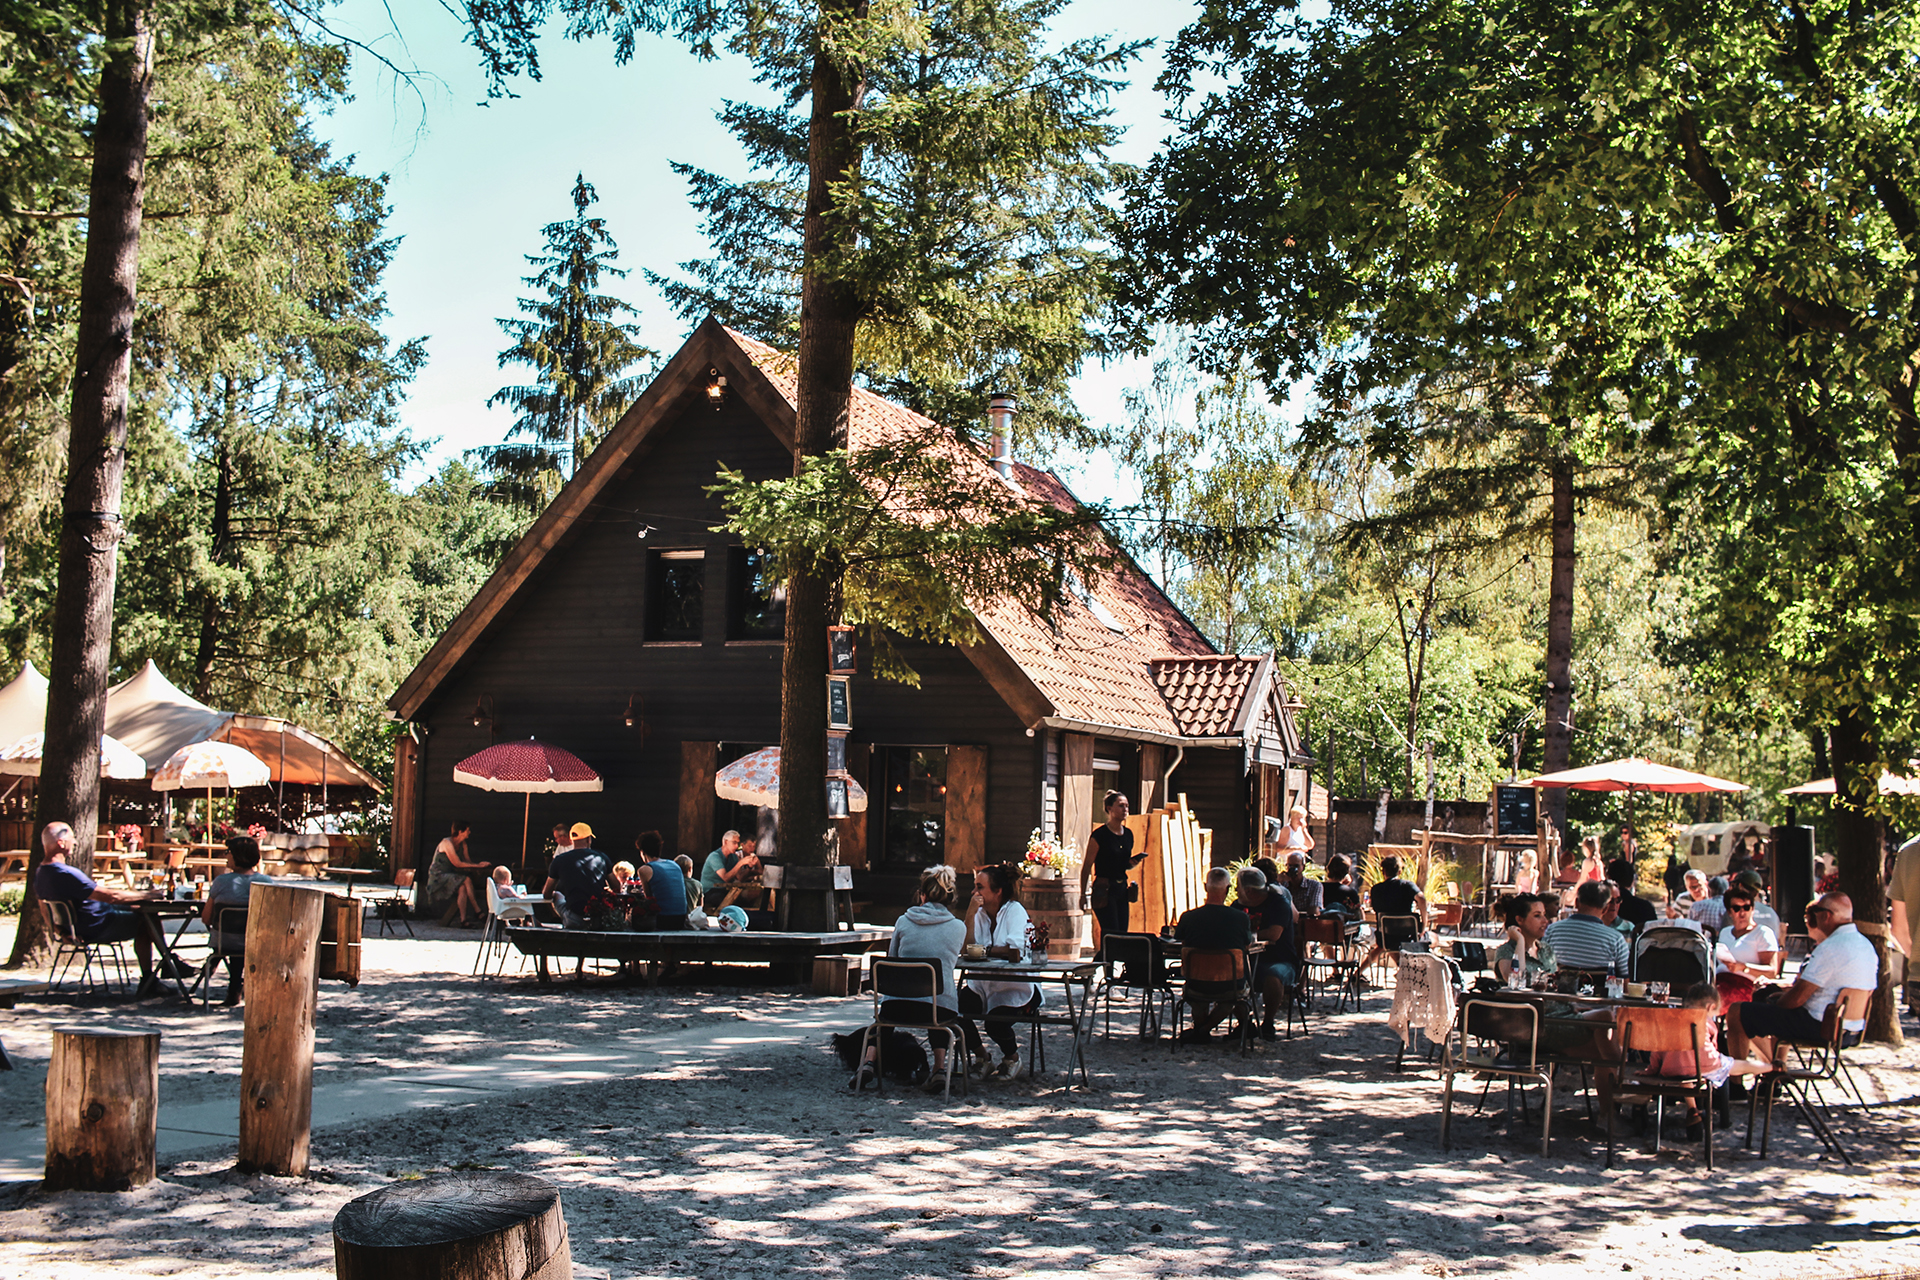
(68,945)
(1336,966)
(1218,977)
(1490,1036)
(921,982)
(1135,963)
(226,941)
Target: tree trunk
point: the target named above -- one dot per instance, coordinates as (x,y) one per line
(829,314)
(103,1090)
(455,1226)
(90,531)
(1857,858)
(1557,747)
(222,531)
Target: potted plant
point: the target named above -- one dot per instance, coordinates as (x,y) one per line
(1045,859)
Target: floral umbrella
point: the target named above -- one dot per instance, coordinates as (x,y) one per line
(755,779)
(211,764)
(117,760)
(527,766)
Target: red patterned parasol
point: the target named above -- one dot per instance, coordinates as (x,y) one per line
(527,766)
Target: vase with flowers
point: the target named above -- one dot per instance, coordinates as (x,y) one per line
(1045,859)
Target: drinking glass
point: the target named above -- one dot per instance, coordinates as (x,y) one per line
(1616,987)
(1658,990)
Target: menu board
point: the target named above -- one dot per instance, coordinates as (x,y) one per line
(1514,811)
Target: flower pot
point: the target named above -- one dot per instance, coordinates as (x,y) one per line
(1042,873)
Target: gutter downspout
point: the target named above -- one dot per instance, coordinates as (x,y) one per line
(1179,754)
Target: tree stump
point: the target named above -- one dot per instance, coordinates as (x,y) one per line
(276,1059)
(103,1089)
(455,1226)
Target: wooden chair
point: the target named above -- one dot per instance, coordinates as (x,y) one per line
(1819,1063)
(1683,1031)
(1334,967)
(923,982)
(1489,1034)
(1447,915)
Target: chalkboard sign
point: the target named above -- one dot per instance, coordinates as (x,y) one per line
(837,798)
(840,658)
(836,752)
(839,704)
(1514,810)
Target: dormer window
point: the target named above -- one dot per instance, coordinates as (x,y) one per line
(1100,612)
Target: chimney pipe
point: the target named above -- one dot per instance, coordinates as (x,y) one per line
(1000,432)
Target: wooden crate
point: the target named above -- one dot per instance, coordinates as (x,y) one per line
(836,975)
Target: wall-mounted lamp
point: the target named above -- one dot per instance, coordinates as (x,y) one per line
(716,388)
(636,710)
(483,710)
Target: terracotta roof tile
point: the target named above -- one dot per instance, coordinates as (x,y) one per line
(1205,691)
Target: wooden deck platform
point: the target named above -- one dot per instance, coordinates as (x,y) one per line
(792,952)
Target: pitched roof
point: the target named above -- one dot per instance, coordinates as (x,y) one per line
(1090,666)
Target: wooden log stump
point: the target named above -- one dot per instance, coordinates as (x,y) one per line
(276,1059)
(103,1090)
(455,1226)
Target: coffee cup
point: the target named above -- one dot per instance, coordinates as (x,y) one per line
(1636,990)
(974,951)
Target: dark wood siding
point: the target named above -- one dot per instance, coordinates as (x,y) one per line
(1217,791)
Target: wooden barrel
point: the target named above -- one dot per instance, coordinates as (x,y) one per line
(455,1226)
(1056,903)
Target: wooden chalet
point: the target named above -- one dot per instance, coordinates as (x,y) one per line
(624,629)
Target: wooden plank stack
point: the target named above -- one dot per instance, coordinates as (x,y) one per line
(1179,851)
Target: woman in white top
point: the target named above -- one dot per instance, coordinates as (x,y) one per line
(999,923)
(1747,948)
(1295,834)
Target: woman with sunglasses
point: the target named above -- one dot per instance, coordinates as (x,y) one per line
(1747,950)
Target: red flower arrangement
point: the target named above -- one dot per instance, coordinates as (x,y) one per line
(1037,937)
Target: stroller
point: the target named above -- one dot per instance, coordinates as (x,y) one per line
(1668,953)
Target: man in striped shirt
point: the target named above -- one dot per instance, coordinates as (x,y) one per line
(1583,940)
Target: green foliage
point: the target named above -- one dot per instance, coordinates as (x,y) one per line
(581,357)
(916,538)
(982,264)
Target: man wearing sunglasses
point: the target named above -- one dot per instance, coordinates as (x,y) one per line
(1842,958)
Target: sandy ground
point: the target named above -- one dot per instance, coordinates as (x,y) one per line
(1312,1155)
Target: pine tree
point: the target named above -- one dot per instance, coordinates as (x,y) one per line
(582,357)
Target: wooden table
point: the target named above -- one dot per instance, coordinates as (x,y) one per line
(795,950)
(1067,974)
(161,910)
(13,863)
(349,874)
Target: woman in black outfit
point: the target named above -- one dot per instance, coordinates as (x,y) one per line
(1109,857)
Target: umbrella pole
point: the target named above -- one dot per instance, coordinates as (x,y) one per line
(525,813)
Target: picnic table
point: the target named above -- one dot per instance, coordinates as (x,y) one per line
(792,952)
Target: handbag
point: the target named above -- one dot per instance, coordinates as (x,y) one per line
(1101,890)
(1133,892)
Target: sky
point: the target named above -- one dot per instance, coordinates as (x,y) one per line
(472,182)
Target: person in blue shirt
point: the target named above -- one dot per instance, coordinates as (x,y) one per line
(665,881)
(99,913)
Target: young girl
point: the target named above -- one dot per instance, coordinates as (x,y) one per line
(503,884)
(1679,1063)
(1527,879)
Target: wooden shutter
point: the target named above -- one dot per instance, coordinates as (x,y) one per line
(1077,814)
(853,827)
(698,763)
(966,824)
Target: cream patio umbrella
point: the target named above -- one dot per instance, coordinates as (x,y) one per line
(209,765)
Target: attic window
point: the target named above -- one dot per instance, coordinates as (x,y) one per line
(1103,614)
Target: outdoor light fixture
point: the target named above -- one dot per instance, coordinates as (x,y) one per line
(716,387)
(636,709)
(483,710)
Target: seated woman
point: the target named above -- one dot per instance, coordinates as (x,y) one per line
(1527,921)
(453,878)
(233,888)
(928,931)
(998,922)
(1746,949)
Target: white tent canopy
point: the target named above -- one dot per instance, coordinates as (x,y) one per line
(155,718)
(23,705)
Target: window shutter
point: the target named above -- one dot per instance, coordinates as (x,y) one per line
(966,824)
(698,763)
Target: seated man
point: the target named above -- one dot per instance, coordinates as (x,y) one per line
(1634,909)
(1710,911)
(234,888)
(1302,888)
(1276,970)
(1842,958)
(1393,897)
(96,910)
(1694,883)
(725,869)
(575,875)
(1584,940)
(1213,927)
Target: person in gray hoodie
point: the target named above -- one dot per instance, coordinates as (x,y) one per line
(928,931)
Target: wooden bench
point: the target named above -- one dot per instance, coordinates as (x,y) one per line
(790,955)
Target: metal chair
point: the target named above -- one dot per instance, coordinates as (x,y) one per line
(67,944)
(1218,977)
(227,940)
(1334,968)
(1499,1028)
(922,982)
(1820,1063)
(1395,932)
(399,905)
(1136,963)
(1682,1031)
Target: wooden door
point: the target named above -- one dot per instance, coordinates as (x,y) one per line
(698,763)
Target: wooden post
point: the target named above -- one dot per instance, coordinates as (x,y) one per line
(455,1226)
(340,929)
(103,1090)
(276,1060)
